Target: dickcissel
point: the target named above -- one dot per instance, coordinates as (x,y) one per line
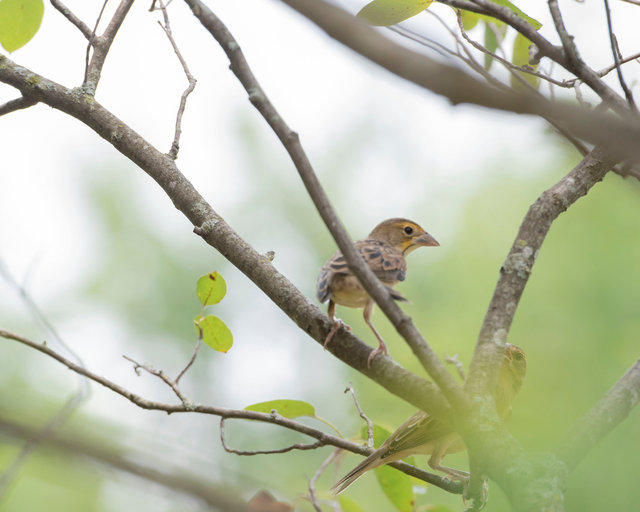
(384,250)
(423,434)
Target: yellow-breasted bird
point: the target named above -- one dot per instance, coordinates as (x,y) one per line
(423,434)
(384,251)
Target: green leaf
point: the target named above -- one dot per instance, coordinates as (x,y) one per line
(469,19)
(397,486)
(380,434)
(348,505)
(390,12)
(211,288)
(532,21)
(19,22)
(521,58)
(215,332)
(287,408)
(490,43)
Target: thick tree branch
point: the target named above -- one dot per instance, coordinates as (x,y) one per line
(607,414)
(17,104)
(620,136)
(217,233)
(186,406)
(291,142)
(516,269)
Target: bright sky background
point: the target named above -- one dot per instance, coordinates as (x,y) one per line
(322,90)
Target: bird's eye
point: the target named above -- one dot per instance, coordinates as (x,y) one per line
(408,230)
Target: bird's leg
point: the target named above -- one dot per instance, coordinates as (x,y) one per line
(436,458)
(382,347)
(337,323)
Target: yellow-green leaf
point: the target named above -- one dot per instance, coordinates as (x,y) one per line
(469,19)
(211,288)
(380,434)
(287,408)
(397,486)
(532,21)
(19,22)
(390,12)
(215,332)
(521,58)
(348,505)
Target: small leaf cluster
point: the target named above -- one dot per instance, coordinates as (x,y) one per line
(390,12)
(211,289)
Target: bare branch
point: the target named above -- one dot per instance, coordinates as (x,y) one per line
(366,418)
(607,414)
(312,481)
(294,446)
(616,59)
(92,40)
(77,22)
(459,87)
(164,377)
(17,104)
(191,361)
(291,142)
(516,269)
(175,146)
(101,46)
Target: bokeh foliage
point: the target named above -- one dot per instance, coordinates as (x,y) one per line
(578,322)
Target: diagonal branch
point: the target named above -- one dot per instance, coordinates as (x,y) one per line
(73,19)
(604,416)
(616,59)
(217,233)
(517,268)
(619,135)
(291,142)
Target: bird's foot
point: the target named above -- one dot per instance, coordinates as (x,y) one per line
(382,349)
(334,329)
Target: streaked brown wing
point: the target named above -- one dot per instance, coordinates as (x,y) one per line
(418,430)
(387,263)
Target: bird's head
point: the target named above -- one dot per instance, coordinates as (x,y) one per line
(403,234)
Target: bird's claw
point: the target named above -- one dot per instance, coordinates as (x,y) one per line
(334,329)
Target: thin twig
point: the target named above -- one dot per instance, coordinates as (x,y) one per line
(349,389)
(17,104)
(458,365)
(313,498)
(175,146)
(77,22)
(616,58)
(92,39)
(101,47)
(164,377)
(191,361)
(286,449)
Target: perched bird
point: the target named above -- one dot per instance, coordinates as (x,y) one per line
(384,251)
(423,434)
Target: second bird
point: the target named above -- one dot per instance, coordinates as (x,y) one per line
(384,250)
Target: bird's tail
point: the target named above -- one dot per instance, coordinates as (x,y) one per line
(397,295)
(372,461)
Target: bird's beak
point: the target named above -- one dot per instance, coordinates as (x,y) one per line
(426,239)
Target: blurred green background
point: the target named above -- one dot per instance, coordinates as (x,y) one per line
(578,322)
